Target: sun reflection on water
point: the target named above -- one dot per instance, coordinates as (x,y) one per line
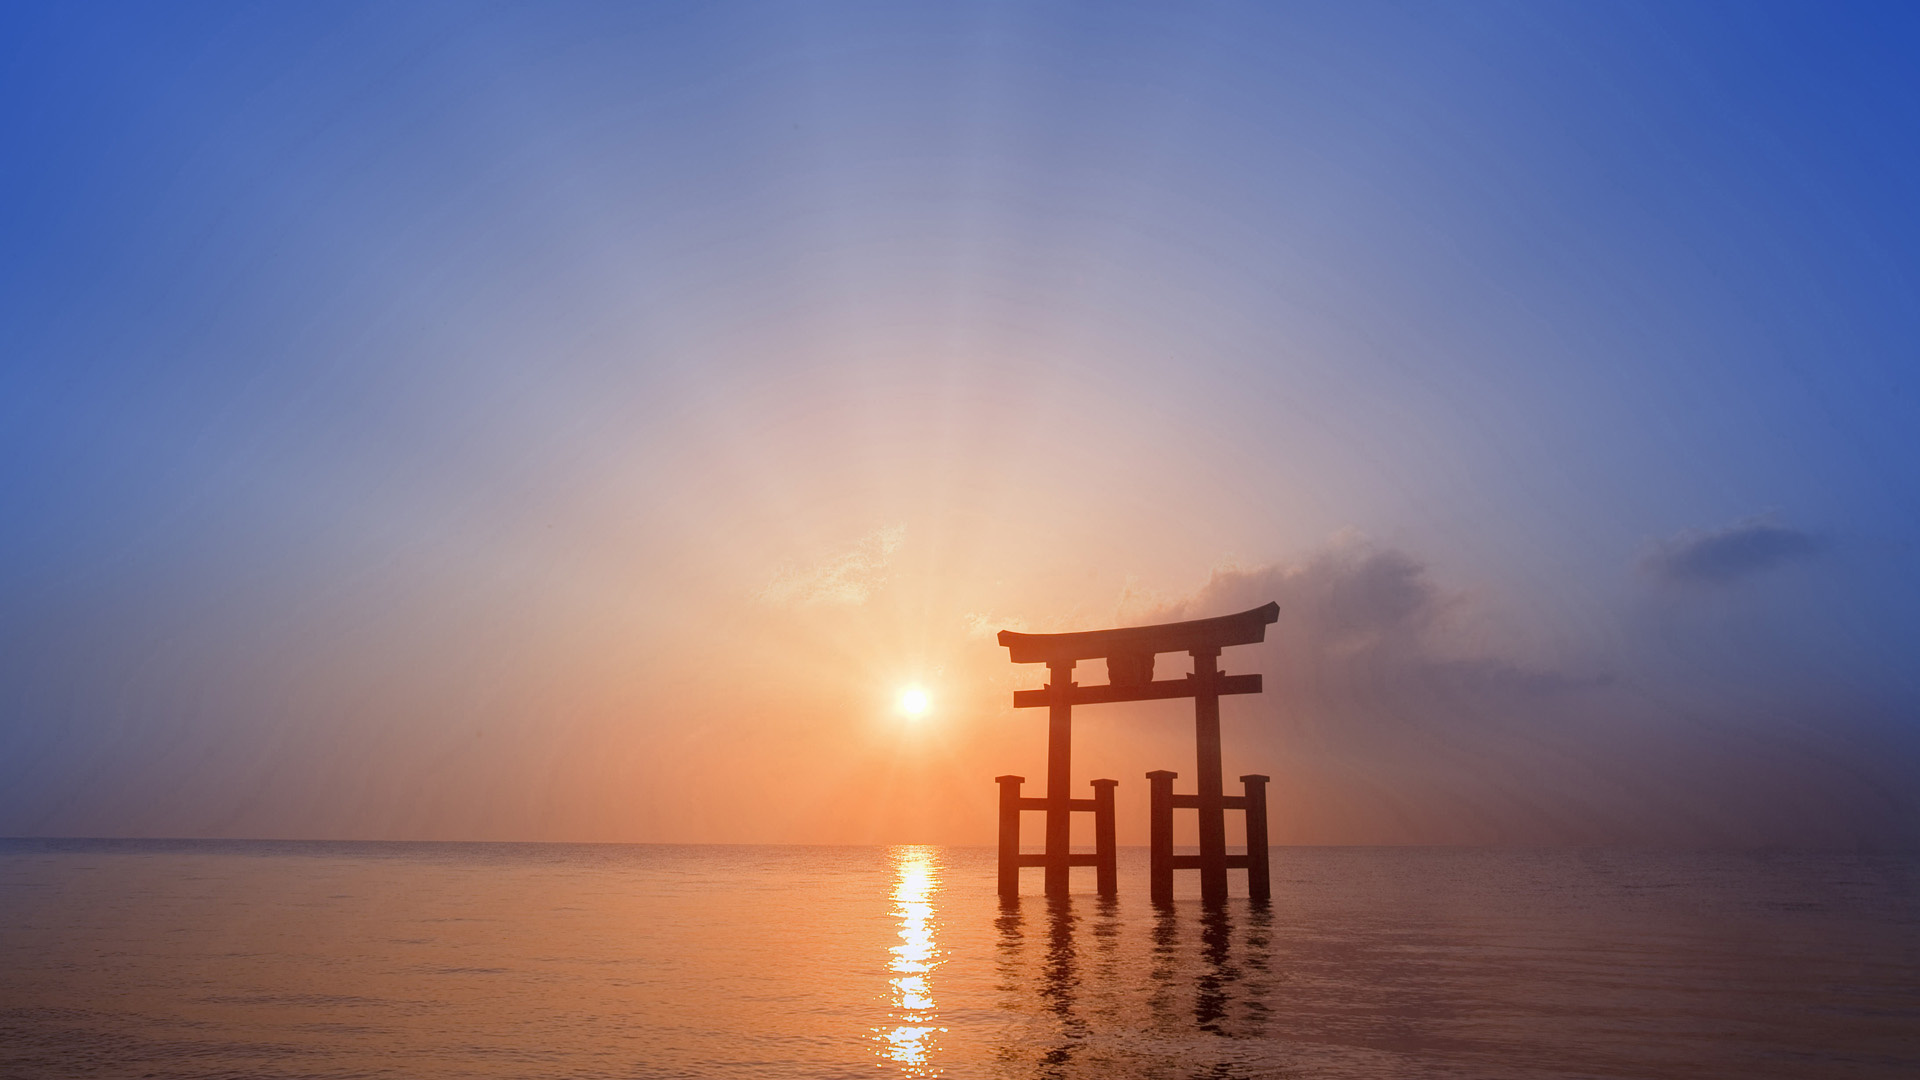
(907,1044)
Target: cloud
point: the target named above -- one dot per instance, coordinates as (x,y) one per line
(1387,718)
(1350,595)
(847,578)
(1742,549)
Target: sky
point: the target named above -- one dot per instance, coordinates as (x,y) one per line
(582,422)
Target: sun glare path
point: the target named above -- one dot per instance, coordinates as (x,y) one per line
(916,879)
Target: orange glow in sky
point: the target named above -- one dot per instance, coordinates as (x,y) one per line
(634,425)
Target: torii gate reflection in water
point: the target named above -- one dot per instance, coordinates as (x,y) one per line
(1129,652)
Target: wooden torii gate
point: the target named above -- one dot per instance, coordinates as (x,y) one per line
(1130,652)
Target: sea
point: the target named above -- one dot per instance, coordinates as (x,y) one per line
(174,959)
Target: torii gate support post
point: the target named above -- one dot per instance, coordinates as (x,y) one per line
(1106,852)
(1009,834)
(1259,882)
(1213,813)
(1160,835)
(1059,774)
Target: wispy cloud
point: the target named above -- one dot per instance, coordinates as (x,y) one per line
(848,578)
(983,625)
(1739,550)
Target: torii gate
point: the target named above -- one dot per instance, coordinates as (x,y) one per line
(1129,652)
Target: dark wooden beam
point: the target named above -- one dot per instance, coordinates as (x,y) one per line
(1041,802)
(1199,862)
(1160,689)
(1192,802)
(1076,859)
(1245,628)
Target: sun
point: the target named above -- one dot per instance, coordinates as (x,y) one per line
(914,702)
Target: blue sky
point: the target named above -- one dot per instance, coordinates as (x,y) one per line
(404,405)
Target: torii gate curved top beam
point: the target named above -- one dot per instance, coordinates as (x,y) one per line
(1246,628)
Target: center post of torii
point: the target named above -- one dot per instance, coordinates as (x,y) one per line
(1129,653)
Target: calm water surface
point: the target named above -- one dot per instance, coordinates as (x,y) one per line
(207,959)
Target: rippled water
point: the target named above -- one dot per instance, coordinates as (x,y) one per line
(175,959)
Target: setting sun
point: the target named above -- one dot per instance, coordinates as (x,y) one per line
(914,701)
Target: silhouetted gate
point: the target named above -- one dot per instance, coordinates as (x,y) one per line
(1129,652)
